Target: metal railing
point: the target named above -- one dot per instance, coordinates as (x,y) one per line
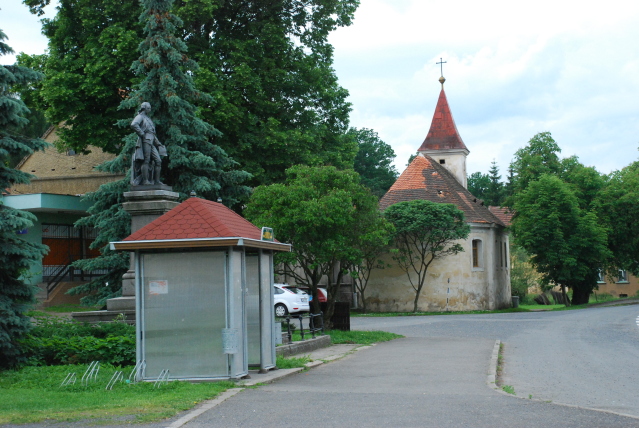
(315,325)
(63,271)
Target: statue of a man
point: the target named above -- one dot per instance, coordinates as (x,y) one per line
(146,162)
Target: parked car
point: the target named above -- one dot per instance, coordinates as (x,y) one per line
(322,294)
(289,302)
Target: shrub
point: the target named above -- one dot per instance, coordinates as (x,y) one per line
(49,351)
(54,341)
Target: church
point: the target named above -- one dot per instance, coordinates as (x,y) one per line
(477,278)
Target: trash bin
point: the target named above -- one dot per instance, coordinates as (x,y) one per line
(515,301)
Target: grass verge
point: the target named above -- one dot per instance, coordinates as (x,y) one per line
(413,314)
(361,337)
(69,307)
(34,394)
(339,337)
(291,362)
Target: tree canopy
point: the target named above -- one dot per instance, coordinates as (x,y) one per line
(568,245)
(16,254)
(540,156)
(556,220)
(424,232)
(267,65)
(195,163)
(618,207)
(374,161)
(323,213)
(488,187)
(478,184)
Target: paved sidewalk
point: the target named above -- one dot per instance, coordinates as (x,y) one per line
(317,357)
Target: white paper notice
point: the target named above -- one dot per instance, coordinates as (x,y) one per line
(158,287)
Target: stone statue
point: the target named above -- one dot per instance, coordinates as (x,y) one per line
(146,164)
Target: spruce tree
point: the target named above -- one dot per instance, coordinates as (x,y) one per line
(194,162)
(495,191)
(16,254)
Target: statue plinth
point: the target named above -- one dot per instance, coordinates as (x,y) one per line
(145,204)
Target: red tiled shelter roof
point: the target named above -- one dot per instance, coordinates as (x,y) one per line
(198,223)
(443,134)
(197,218)
(426,179)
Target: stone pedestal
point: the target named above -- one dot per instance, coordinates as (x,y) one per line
(145,204)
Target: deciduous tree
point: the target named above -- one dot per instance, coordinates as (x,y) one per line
(540,156)
(567,244)
(618,207)
(323,213)
(374,161)
(425,231)
(372,240)
(478,184)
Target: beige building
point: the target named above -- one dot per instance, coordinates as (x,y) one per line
(63,173)
(623,285)
(477,278)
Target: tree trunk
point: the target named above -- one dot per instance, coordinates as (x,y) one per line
(333,289)
(416,300)
(580,296)
(565,296)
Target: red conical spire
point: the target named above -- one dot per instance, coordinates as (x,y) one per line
(443,134)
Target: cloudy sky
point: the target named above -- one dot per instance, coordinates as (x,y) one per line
(513,69)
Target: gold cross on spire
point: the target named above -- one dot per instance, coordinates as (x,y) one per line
(441,63)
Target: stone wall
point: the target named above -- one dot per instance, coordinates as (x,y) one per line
(452,283)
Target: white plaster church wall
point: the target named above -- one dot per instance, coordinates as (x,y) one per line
(453,278)
(455,162)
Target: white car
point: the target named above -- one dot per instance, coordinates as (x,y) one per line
(289,302)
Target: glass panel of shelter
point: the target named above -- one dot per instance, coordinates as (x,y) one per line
(183,314)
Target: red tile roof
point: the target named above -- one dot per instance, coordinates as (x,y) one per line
(502,213)
(197,218)
(426,179)
(443,134)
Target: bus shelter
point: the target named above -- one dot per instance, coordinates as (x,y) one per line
(204,293)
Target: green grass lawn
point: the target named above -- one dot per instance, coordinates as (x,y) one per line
(34,394)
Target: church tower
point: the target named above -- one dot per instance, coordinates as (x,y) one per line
(443,142)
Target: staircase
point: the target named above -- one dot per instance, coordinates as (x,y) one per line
(58,295)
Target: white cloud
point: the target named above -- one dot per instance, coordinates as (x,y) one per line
(513,70)
(23,29)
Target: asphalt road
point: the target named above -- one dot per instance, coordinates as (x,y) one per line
(435,377)
(584,357)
